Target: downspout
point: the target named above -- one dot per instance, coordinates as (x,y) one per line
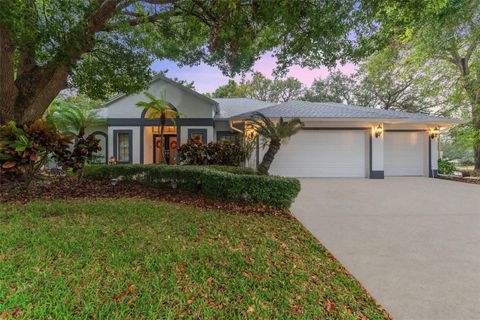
(230,125)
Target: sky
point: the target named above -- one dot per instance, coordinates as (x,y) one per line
(207,78)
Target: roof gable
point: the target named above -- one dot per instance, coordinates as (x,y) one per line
(170,81)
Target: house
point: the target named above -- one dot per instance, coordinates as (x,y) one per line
(337,140)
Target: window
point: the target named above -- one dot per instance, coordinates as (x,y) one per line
(198,135)
(226,136)
(123,146)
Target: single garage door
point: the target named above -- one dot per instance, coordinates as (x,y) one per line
(405,153)
(318,153)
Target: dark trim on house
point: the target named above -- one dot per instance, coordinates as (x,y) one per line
(101,133)
(202,131)
(130,145)
(377,174)
(221,134)
(179,143)
(154,122)
(336,128)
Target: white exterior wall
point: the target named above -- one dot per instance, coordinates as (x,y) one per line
(135,141)
(188,104)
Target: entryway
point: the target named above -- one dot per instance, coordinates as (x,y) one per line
(170,152)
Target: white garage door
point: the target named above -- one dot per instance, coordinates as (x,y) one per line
(315,153)
(405,153)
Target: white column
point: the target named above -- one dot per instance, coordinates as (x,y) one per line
(376,155)
(433,156)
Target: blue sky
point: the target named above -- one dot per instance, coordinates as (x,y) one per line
(207,78)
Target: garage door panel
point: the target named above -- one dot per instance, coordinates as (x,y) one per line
(313,153)
(405,153)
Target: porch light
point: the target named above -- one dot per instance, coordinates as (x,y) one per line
(378,131)
(245,196)
(434,133)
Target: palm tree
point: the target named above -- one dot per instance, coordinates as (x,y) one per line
(71,118)
(159,108)
(275,134)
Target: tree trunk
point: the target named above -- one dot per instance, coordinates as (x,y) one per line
(476,125)
(267,160)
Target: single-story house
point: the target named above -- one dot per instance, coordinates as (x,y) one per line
(337,140)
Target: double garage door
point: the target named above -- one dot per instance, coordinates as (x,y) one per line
(346,153)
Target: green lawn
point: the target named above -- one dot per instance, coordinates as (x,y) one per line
(139,259)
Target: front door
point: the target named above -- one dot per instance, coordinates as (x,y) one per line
(170,154)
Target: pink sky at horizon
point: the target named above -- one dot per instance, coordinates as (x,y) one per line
(207,78)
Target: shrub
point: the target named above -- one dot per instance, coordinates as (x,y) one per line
(445,167)
(226,153)
(25,149)
(232,169)
(276,192)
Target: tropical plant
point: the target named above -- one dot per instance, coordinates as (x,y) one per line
(227,153)
(72,118)
(158,108)
(274,133)
(25,149)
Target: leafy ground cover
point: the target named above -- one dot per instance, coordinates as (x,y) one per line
(143,259)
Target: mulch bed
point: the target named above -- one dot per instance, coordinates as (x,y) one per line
(459,179)
(64,188)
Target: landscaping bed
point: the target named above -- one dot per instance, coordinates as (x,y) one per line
(215,182)
(461,179)
(58,187)
(141,259)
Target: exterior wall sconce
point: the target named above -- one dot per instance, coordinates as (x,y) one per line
(378,131)
(434,133)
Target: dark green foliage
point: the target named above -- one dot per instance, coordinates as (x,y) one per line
(232,169)
(445,167)
(25,149)
(225,153)
(276,192)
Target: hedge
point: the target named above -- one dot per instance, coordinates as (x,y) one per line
(224,183)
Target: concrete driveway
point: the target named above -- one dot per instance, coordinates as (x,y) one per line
(414,243)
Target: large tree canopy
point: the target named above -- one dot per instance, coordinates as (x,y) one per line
(443,32)
(261,88)
(103,47)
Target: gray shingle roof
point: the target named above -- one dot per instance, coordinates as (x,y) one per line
(230,107)
(325,110)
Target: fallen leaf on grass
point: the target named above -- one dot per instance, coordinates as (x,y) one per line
(331,307)
(250,309)
(124,294)
(210,280)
